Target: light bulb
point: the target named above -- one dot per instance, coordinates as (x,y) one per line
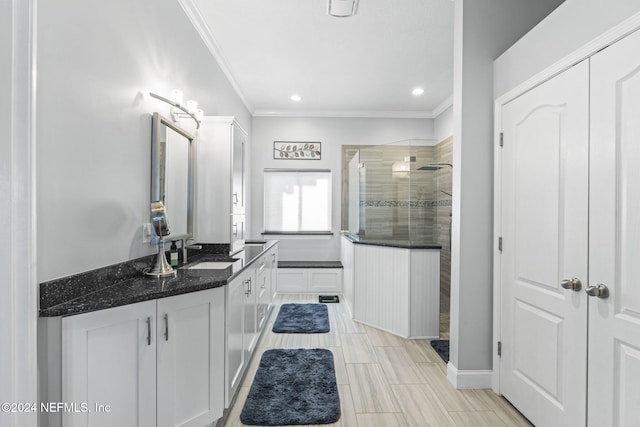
(199,115)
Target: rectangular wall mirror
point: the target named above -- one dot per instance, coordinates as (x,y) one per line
(172,175)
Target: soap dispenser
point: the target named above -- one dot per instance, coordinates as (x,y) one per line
(174,254)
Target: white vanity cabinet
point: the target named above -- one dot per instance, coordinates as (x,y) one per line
(125,357)
(109,358)
(190,357)
(249,301)
(263,289)
(241,331)
(273,265)
(221,182)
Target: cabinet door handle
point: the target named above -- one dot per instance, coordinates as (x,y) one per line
(247,292)
(573,284)
(148,330)
(235,198)
(166,327)
(599,290)
(250,286)
(235,229)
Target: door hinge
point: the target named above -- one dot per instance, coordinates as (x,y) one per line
(500,244)
(499,348)
(501,139)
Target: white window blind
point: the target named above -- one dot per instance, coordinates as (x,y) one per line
(297,201)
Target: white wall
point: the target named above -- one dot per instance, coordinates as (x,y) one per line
(332,133)
(18,304)
(572,25)
(483,30)
(97,61)
(443,125)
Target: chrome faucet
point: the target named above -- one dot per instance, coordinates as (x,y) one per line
(186,246)
(161,267)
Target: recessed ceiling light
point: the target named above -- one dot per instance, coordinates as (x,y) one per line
(417,91)
(295,98)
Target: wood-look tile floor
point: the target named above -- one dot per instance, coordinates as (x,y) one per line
(384,380)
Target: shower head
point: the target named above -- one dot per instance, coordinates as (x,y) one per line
(434,167)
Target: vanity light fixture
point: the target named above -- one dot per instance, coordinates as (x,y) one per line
(177,96)
(417,91)
(178,110)
(342,8)
(192,106)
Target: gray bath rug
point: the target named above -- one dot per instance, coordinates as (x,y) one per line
(302,319)
(293,387)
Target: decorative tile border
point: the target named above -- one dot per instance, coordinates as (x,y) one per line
(404,203)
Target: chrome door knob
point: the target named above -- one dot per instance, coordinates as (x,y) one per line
(599,290)
(574,284)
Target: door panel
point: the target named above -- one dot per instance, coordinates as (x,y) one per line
(190,358)
(539,369)
(614,240)
(238,170)
(109,358)
(537,226)
(545,236)
(235,357)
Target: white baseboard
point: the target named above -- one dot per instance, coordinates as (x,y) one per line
(468,379)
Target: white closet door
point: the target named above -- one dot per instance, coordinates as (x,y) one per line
(614,236)
(544,230)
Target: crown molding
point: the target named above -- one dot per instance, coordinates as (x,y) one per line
(194,15)
(443,106)
(345,114)
(199,23)
(389,114)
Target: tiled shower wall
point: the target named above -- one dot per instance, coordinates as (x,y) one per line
(444,154)
(397,205)
(413,207)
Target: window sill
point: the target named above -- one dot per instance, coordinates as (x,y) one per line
(283,235)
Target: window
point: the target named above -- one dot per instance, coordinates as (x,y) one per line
(297,201)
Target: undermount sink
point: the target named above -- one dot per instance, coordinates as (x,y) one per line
(211,265)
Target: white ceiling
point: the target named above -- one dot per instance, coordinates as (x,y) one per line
(362,66)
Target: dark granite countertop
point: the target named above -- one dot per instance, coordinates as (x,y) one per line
(403,244)
(126,283)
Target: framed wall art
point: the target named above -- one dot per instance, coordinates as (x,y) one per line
(297,150)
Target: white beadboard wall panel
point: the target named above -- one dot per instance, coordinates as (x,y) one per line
(425,293)
(381,287)
(346,257)
(395,289)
